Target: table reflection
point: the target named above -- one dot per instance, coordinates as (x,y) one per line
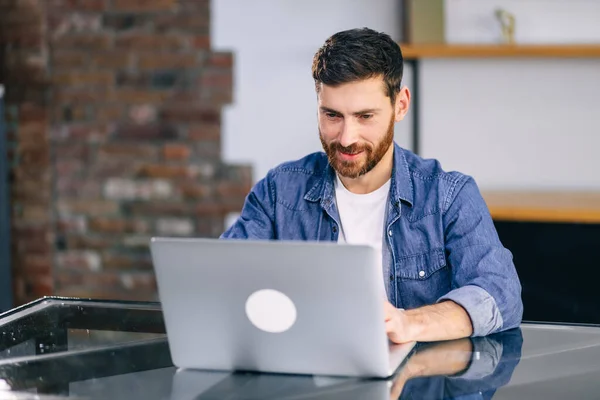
(468,368)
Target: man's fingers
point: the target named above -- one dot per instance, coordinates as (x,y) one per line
(389,327)
(394,331)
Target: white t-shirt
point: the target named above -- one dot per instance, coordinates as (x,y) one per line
(362,217)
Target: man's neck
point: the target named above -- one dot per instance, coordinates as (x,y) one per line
(373,179)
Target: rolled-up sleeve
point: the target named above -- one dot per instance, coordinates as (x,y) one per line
(481,307)
(485,357)
(484,278)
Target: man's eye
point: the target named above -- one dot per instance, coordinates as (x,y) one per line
(366,116)
(331,115)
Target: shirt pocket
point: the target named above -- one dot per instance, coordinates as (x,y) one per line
(421,279)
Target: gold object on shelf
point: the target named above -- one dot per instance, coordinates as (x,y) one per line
(507,22)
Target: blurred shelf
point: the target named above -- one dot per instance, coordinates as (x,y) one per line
(567,206)
(414,52)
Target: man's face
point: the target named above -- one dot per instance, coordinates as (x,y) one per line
(356,125)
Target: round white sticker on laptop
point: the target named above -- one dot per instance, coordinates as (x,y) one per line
(271,311)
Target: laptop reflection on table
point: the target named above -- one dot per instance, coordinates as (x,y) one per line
(205,385)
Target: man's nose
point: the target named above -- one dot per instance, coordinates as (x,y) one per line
(349,134)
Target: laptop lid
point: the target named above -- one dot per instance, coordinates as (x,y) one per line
(272,306)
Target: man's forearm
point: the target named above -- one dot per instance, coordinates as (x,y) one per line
(446,358)
(443,321)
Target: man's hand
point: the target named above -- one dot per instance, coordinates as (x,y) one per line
(396,324)
(443,321)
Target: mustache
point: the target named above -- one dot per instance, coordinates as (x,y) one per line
(352,149)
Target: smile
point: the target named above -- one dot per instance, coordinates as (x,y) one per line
(349,156)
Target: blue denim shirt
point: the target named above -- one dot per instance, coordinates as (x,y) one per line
(441,243)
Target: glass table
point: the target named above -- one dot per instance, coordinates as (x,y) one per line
(56,348)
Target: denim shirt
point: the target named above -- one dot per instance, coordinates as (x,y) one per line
(440,240)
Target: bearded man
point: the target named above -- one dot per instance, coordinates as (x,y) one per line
(445,271)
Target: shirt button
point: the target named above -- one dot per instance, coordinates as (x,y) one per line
(421,273)
(334,229)
(390,232)
(391,277)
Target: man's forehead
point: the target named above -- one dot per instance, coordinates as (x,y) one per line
(353,97)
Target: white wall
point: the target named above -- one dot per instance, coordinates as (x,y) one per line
(273,117)
(516,123)
(510,123)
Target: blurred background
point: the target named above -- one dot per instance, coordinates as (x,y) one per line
(124,119)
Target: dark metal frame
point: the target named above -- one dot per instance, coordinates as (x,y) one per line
(60,367)
(6,296)
(76,313)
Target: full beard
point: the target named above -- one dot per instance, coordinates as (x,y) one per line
(356,168)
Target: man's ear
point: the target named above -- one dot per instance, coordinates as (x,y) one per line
(402,104)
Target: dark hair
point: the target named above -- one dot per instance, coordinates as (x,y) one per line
(358,54)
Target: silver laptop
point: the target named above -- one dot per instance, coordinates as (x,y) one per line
(296,307)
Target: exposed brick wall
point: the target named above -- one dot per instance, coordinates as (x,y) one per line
(119,141)
(24,72)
